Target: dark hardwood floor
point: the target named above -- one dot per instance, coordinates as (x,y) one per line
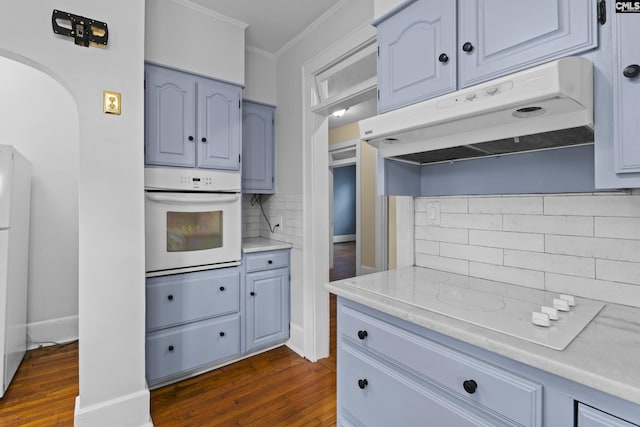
(275,388)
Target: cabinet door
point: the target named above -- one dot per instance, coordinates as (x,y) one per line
(257,148)
(219,125)
(169,118)
(267,308)
(416,56)
(590,417)
(505,36)
(626,93)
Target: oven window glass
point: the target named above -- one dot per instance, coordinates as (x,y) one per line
(194,231)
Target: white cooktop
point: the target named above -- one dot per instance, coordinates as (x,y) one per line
(497,306)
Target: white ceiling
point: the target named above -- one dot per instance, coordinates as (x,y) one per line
(272,23)
(275,23)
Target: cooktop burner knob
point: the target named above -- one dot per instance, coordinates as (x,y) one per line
(550,311)
(540,319)
(561,304)
(569,299)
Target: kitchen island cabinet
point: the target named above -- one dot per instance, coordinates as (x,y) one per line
(390,351)
(191,121)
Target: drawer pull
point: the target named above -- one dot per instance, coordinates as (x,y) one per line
(170,297)
(362,334)
(631,71)
(221,334)
(170,348)
(253,294)
(270,262)
(221,288)
(470,386)
(363,384)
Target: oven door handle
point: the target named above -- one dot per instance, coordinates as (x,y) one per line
(191,198)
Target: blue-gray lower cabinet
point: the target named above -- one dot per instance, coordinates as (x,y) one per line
(590,417)
(258,146)
(393,372)
(267,305)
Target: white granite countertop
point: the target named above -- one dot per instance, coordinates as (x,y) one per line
(604,356)
(260,244)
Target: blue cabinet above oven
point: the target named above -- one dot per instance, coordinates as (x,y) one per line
(191,121)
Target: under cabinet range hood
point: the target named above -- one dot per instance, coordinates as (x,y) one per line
(547,106)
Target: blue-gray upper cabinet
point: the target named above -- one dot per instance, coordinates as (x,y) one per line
(258,145)
(500,37)
(191,121)
(416,53)
(267,298)
(431,47)
(626,90)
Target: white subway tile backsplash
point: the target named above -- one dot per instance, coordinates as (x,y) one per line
(563,225)
(442,234)
(620,228)
(616,292)
(471,221)
(590,205)
(618,271)
(471,253)
(563,264)
(506,205)
(516,276)
(427,247)
(612,249)
(441,263)
(447,205)
(507,240)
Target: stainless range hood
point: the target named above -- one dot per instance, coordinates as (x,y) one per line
(547,106)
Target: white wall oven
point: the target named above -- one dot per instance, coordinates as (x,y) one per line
(193,220)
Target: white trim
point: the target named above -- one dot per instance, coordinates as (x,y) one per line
(260,52)
(296,339)
(343,145)
(52,331)
(382,233)
(133,407)
(302,34)
(344,238)
(315,254)
(212,13)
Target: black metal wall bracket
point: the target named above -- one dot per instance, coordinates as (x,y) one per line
(85,31)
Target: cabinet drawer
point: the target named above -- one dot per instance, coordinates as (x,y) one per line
(390,399)
(179,349)
(182,298)
(590,417)
(266,260)
(512,396)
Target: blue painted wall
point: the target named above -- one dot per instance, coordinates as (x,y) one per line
(344,200)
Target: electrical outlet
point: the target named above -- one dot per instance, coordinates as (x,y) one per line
(433,213)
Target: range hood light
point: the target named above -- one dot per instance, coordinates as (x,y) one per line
(390,140)
(528,112)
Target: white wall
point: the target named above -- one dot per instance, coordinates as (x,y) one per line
(260,77)
(580,244)
(110,209)
(49,138)
(183,35)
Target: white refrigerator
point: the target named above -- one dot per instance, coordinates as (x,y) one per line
(15,198)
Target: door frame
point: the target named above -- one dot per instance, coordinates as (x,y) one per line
(315,250)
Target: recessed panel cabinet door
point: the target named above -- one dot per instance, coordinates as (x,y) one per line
(257,148)
(169,118)
(626,90)
(499,37)
(590,417)
(219,125)
(417,58)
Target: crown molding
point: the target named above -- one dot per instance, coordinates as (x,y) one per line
(260,52)
(213,14)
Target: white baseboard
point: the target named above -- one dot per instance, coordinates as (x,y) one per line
(344,238)
(366,270)
(131,410)
(296,339)
(51,332)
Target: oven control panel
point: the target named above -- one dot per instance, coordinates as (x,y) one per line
(181,179)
